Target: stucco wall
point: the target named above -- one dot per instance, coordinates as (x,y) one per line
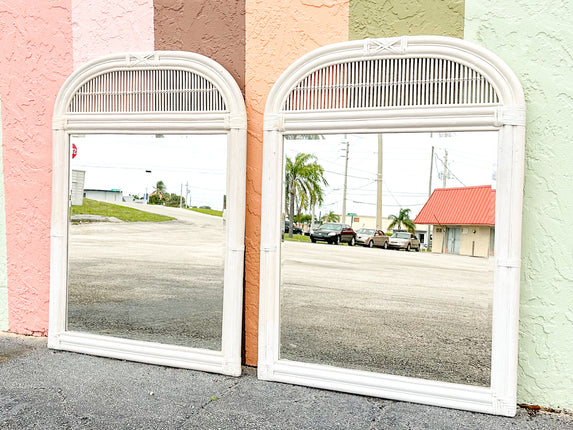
(278,34)
(106,26)
(214,28)
(535,41)
(40,47)
(3,275)
(476,244)
(438,238)
(35,59)
(387,18)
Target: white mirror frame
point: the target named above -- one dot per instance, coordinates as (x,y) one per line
(231,121)
(506,115)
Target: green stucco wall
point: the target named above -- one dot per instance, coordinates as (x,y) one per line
(387,18)
(535,41)
(3,274)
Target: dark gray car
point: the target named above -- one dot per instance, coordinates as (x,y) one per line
(334,233)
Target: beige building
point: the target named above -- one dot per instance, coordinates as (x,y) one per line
(463,220)
(474,240)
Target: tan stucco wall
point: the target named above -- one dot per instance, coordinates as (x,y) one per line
(438,239)
(368,222)
(479,241)
(387,18)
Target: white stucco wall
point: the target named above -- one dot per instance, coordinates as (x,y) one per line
(103,27)
(535,39)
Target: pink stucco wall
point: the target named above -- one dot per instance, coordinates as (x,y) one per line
(42,42)
(35,59)
(103,27)
(278,33)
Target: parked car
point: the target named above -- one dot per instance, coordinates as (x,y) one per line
(404,240)
(371,237)
(334,233)
(295,230)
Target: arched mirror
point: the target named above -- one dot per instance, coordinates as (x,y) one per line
(148,212)
(390,250)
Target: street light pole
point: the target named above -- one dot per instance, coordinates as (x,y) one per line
(379,185)
(429,194)
(146,193)
(345,181)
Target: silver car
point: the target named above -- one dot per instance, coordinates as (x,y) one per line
(404,240)
(371,237)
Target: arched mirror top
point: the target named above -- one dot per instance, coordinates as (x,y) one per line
(160,86)
(405,75)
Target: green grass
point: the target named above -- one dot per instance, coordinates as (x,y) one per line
(212,212)
(297,238)
(94,207)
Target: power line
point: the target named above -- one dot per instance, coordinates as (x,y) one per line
(350,176)
(449,170)
(157,168)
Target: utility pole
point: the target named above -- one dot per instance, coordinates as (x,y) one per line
(379,185)
(187,194)
(345,181)
(429,194)
(445,169)
(181,197)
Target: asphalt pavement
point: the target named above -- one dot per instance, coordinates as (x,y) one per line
(47,389)
(414,314)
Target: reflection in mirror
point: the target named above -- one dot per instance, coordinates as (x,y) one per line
(354,297)
(143,264)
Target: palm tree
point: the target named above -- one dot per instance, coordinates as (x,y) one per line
(303,177)
(158,195)
(331,217)
(402,218)
(160,188)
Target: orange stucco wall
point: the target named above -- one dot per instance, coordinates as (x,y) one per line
(278,34)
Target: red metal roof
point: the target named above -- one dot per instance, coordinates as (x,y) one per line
(459,206)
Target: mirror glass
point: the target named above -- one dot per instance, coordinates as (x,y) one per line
(146,242)
(380,293)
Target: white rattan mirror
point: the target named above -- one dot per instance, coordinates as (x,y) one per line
(394,87)
(137,115)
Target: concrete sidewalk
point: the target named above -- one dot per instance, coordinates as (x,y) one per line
(45,389)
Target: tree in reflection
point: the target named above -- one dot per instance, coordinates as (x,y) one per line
(160,189)
(331,217)
(304,178)
(403,217)
(160,196)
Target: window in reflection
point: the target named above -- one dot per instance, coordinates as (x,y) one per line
(146,247)
(392,272)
